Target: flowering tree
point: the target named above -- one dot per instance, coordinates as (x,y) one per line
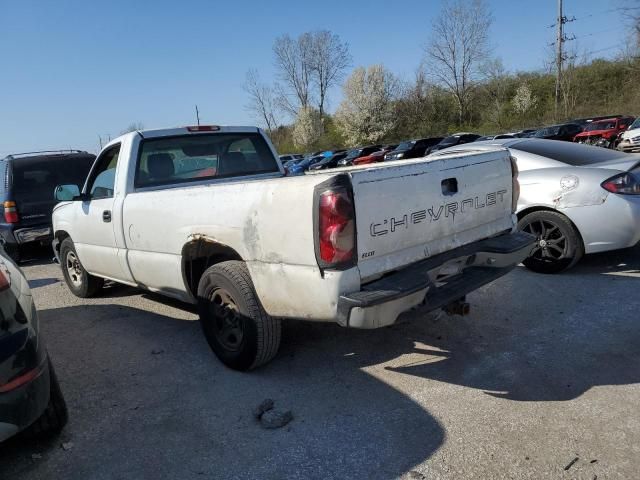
(367,114)
(307,128)
(524,99)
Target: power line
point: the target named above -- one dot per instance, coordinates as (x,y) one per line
(610,47)
(589,15)
(599,32)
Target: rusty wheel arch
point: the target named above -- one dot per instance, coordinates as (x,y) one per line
(198,254)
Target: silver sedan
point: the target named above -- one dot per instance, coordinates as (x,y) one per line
(574,198)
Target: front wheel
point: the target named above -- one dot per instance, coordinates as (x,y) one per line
(558,243)
(237,328)
(81,283)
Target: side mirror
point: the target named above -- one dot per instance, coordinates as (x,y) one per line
(66,193)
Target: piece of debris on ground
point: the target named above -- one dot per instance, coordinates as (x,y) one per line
(570,464)
(265,405)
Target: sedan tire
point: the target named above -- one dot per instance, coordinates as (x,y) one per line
(558,243)
(55,416)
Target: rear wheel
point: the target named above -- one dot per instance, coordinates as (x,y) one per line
(237,328)
(81,283)
(558,243)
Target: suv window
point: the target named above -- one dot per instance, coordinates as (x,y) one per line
(103,177)
(35,179)
(187,158)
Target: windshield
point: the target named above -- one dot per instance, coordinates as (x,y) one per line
(168,160)
(353,153)
(600,126)
(635,124)
(452,140)
(547,132)
(576,154)
(405,146)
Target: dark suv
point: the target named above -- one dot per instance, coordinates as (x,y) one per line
(27,183)
(413,148)
(455,139)
(565,132)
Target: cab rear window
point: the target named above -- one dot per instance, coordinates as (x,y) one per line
(166,161)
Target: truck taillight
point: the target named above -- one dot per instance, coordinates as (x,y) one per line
(515,185)
(10,212)
(336,228)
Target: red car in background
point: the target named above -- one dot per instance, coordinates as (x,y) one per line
(377,156)
(604,133)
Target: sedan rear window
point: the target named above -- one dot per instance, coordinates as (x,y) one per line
(570,153)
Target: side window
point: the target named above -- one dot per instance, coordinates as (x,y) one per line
(101,184)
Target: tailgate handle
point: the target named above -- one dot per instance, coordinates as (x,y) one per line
(106,216)
(449,186)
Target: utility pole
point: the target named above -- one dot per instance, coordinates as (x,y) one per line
(561,37)
(559,40)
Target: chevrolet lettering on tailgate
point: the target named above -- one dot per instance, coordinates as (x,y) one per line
(391,225)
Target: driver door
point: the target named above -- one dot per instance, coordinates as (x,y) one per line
(94,237)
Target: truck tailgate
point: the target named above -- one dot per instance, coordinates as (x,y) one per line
(410,210)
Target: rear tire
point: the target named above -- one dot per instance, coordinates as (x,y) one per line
(238,330)
(55,416)
(558,243)
(81,283)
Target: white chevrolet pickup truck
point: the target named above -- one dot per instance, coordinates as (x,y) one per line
(206,215)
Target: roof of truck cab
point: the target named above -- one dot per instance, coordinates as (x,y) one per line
(168,132)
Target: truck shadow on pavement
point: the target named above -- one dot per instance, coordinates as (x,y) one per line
(554,339)
(148,399)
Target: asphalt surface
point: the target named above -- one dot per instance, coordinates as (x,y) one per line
(539,381)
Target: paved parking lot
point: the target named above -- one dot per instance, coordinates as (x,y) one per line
(544,370)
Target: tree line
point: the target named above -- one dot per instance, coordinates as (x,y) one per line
(458,86)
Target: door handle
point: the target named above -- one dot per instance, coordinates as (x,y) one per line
(106,216)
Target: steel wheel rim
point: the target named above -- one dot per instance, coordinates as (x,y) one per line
(228,326)
(74,269)
(551,243)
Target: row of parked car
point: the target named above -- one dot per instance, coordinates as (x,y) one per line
(612,131)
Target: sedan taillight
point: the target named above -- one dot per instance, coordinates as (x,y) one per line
(624,183)
(336,228)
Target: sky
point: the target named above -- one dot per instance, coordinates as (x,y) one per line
(73,70)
